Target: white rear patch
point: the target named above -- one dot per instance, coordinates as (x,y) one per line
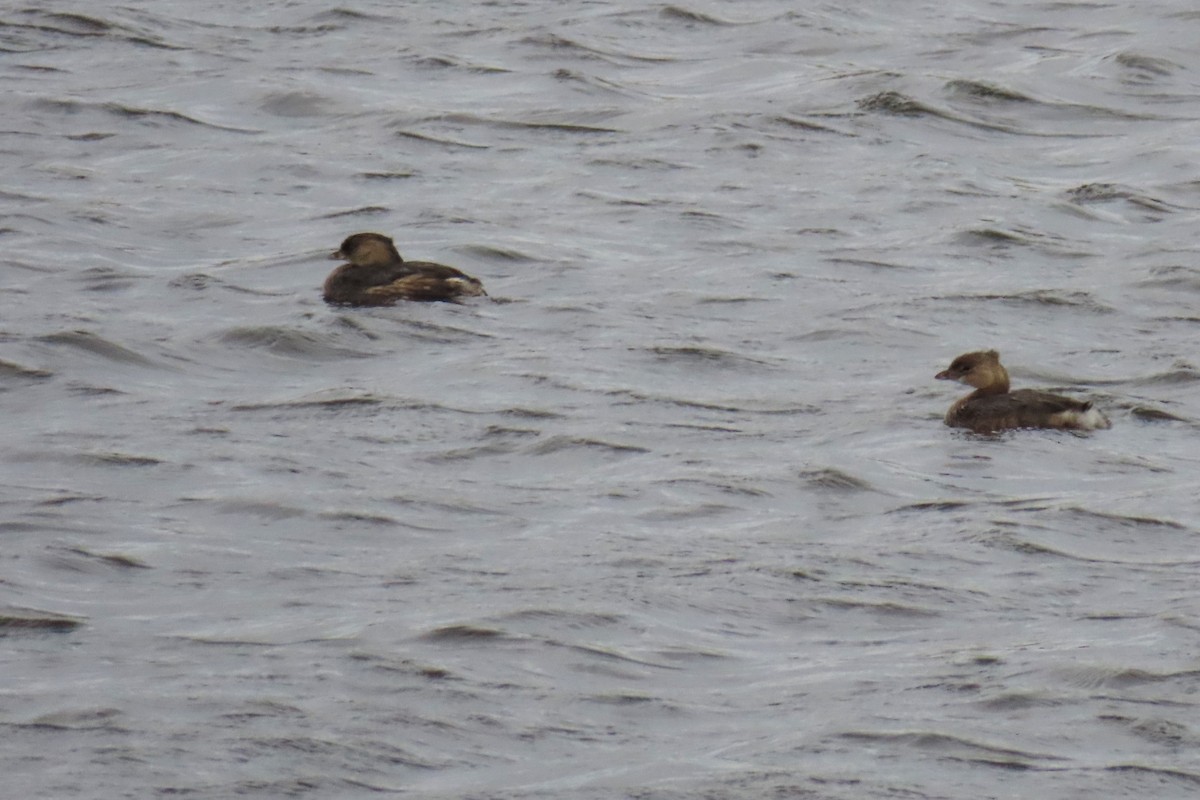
(1082,420)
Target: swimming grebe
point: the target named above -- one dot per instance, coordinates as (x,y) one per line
(992,407)
(376,275)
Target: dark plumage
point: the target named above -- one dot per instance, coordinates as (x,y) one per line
(376,275)
(992,407)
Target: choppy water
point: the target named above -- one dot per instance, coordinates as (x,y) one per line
(675,516)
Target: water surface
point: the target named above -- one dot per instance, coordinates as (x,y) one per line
(675,514)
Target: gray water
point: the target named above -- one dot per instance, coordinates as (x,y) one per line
(674,514)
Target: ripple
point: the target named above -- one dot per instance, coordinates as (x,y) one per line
(561,443)
(956,746)
(977,90)
(688,15)
(334,400)
(471,453)
(707,355)
(1019,701)
(263,509)
(397,175)
(1001,237)
(107,279)
(82,26)
(835,479)
(1148,414)
(442,140)
(1107,192)
(1179,375)
(557,44)
(1123,520)
(23,620)
(118,560)
(548,121)
(86,719)
(1097,676)
(119,460)
(1173,277)
(1145,69)
(746,406)
(1187,777)
(293,105)
(96,345)
(362,211)
(403,666)
(572,620)
(490,253)
(290,342)
(1163,731)
(11,371)
(897,104)
(442,61)
(883,608)
(464,633)
(152,116)
(1083,301)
